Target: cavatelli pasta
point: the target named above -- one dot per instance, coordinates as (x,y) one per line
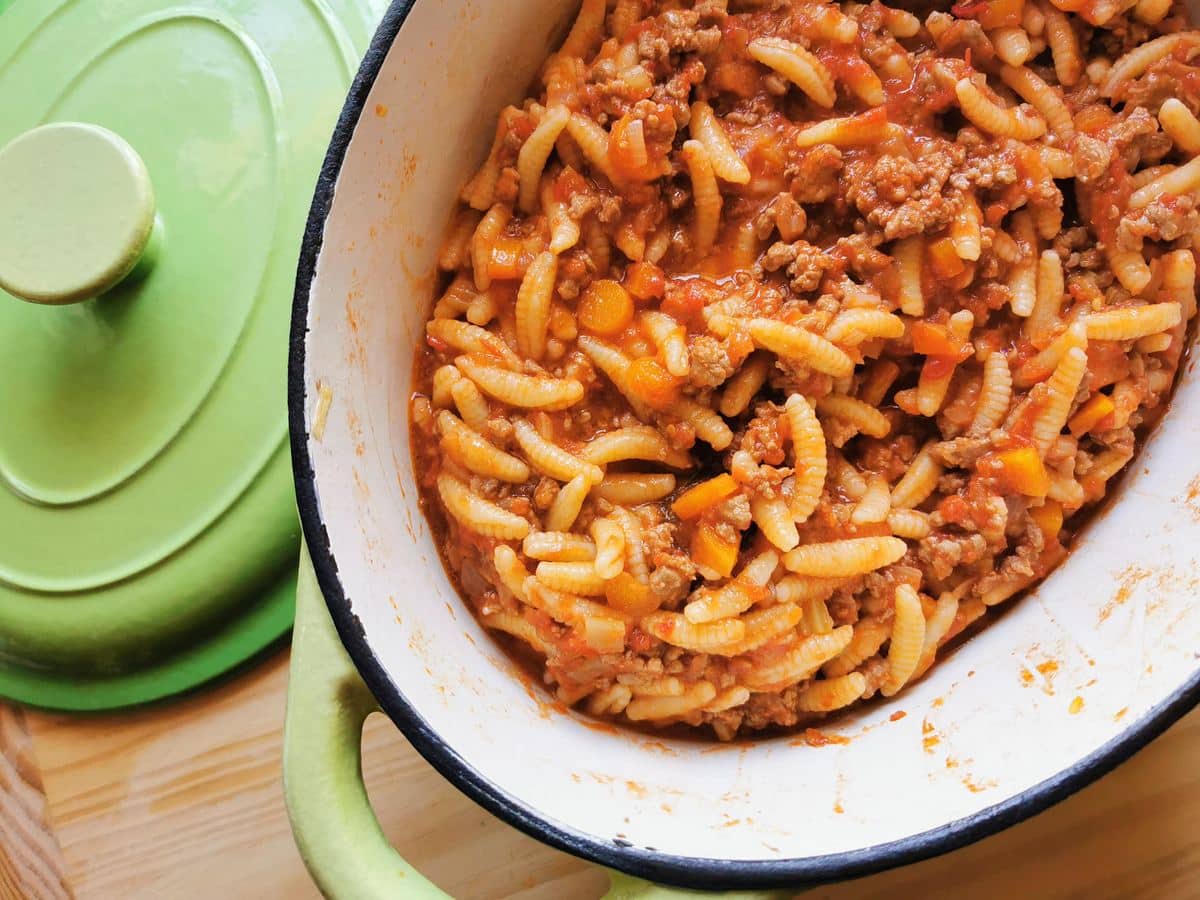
(742,351)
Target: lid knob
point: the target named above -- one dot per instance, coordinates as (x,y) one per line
(77,214)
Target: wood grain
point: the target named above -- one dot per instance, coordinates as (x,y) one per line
(185,801)
(31,865)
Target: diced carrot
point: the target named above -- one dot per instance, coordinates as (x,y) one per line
(645,281)
(628,152)
(1049,518)
(1091,414)
(652,383)
(606,308)
(628,595)
(1021,470)
(991,13)
(932,339)
(711,551)
(944,259)
(700,497)
(510,258)
(569,183)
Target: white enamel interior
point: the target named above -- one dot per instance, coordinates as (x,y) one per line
(1116,626)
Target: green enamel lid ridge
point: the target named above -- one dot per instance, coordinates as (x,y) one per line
(156,166)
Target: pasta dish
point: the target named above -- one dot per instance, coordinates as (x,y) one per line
(780,341)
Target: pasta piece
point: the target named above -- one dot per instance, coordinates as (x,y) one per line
(938,372)
(764,626)
(853,326)
(1051,289)
(730,698)
(797,65)
(526,391)
(883,375)
(550,459)
(1022,281)
(559,547)
(571,577)
(1039,367)
(476,514)
(706,128)
(490,227)
(719,637)
(841,559)
(918,482)
(656,708)
(1018,123)
(456,249)
(745,384)
(937,626)
(1012,45)
(909,253)
(1151,11)
(457,299)
(1131,323)
(625,15)
(801,589)
(593,143)
(846,131)
(609,701)
(654,685)
(533,305)
(774,520)
(1062,387)
(789,341)
(965,229)
(866,418)
(811,462)
(802,660)
(735,597)
(564,231)
(470,338)
(875,504)
(829,694)
(1064,46)
(908,638)
(635,553)
(518,627)
(567,504)
(610,548)
(480,192)
(633,489)
(444,378)
(636,442)
(470,403)
(588,30)
(706,196)
(909,523)
(1045,99)
(900,22)
(476,453)
(615,364)
(1139,59)
(1059,163)
(671,339)
(482,309)
(1179,280)
(579,613)
(1182,126)
(869,635)
(995,395)
(531,160)
(1131,269)
(709,426)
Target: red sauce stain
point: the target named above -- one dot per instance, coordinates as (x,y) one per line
(667,808)
(1026,677)
(951,762)
(730,823)
(636,789)
(1076,706)
(575,778)
(929,736)
(814,737)
(897,715)
(1129,578)
(1120,714)
(360,484)
(659,747)
(976,787)
(838,810)
(938,702)
(602,727)
(381,110)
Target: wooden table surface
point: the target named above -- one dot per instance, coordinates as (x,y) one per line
(184,801)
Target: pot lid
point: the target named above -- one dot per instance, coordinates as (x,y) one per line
(156,166)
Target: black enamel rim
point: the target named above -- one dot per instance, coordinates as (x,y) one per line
(701,873)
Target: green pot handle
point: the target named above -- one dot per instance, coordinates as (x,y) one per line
(336,830)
